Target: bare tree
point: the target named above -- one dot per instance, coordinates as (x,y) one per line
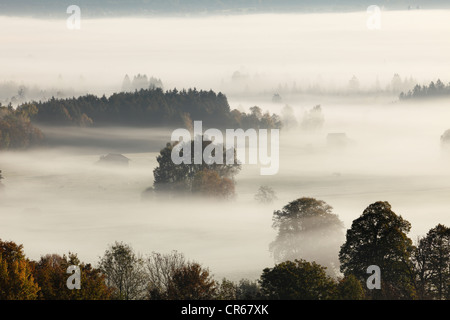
(160,269)
(124,270)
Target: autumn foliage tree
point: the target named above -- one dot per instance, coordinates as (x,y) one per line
(16,130)
(209,183)
(191,282)
(16,277)
(51,274)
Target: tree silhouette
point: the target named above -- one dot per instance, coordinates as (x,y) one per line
(191,282)
(124,271)
(378,237)
(307,229)
(265,195)
(211,179)
(297,280)
(432,262)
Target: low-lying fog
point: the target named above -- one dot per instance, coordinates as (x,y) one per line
(58,199)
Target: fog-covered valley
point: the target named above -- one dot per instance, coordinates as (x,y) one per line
(58,199)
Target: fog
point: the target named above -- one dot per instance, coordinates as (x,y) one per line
(205,52)
(57,199)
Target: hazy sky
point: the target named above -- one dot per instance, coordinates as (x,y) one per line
(202,52)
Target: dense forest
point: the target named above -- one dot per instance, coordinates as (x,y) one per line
(148,108)
(139,108)
(409,271)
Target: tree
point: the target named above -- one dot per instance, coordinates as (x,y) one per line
(445,139)
(297,280)
(51,275)
(353,84)
(313,119)
(124,271)
(126,83)
(207,179)
(288,117)
(16,277)
(226,290)
(350,288)
(248,290)
(143,103)
(265,195)
(432,262)
(396,83)
(209,183)
(16,130)
(379,237)
(191,282)
(307,228)
(160,269)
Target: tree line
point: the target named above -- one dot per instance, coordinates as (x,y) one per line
(19,128)
(378,237)
(149,107)
(433,90)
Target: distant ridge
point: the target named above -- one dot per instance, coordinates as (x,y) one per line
(110,8)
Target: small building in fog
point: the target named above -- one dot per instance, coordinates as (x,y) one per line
(114,159)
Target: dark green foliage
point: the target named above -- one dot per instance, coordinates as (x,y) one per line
(350,288)
(226,290)
(432,262)
(151,107)
(378,237)
(297,280)
(169,177)
(248,290)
